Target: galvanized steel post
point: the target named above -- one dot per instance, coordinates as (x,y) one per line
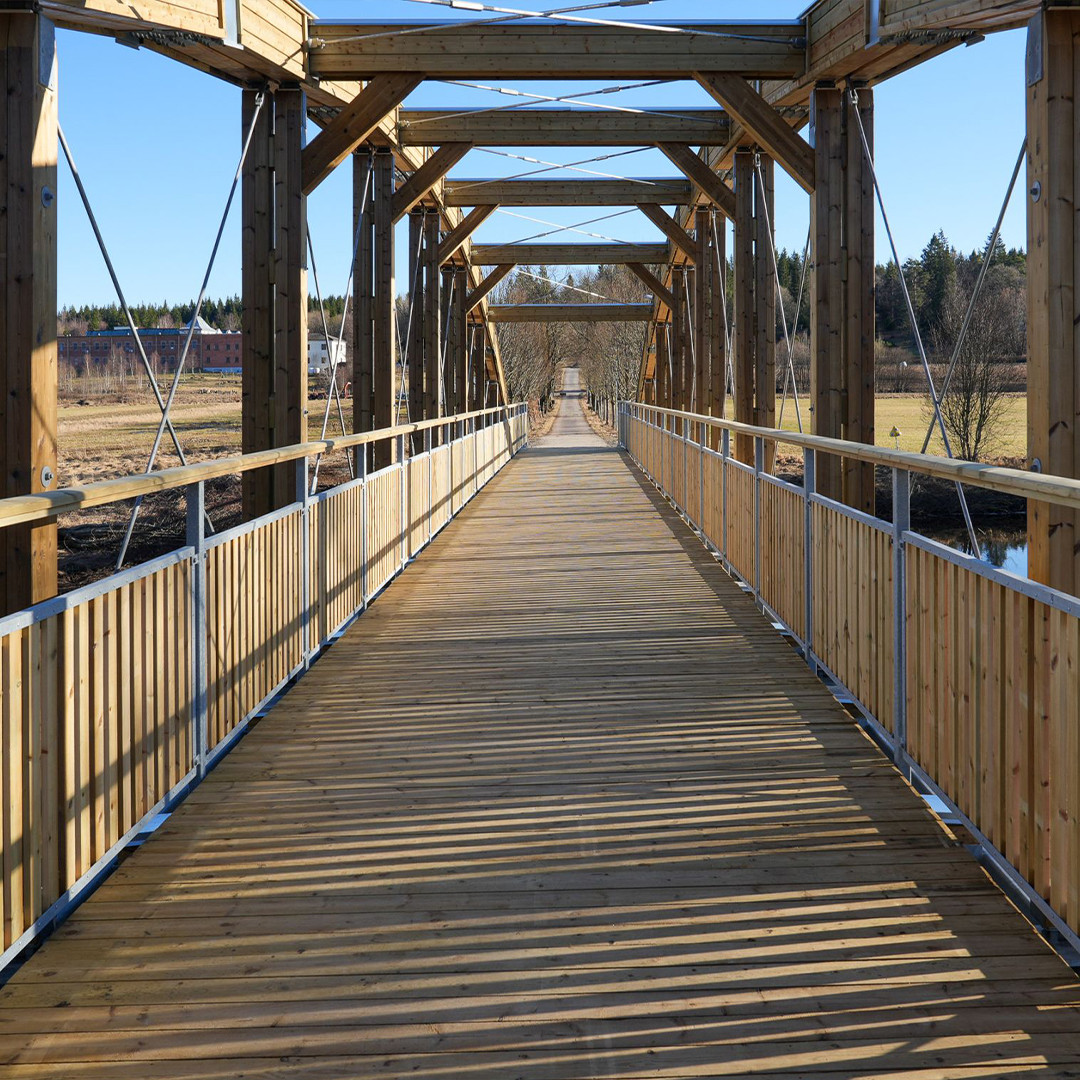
(809,487)
(901,516)
(196,538)
(303,497)
(759,468)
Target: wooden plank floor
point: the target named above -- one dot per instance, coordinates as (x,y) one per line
(562,805)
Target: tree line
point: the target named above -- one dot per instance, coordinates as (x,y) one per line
(223,313)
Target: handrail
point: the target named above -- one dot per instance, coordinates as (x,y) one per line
(1061,490)
(20,509)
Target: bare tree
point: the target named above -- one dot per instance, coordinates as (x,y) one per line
(977,397)
(532,353)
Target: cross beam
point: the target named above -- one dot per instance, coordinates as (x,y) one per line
(555,51)
(563,127)
(427,176)
(568,254)
(658,191)
(575,313)
(769,129)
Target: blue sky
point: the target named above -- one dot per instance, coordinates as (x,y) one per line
(158,163)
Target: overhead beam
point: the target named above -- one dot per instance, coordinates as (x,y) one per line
(352,126)
(568,254)
(672,230)
(426,177)
(652,283)
(459,235)
(712,187)
(575,313)
(555,51)
(764,123)
(563,127)
(480,293)
(661,191)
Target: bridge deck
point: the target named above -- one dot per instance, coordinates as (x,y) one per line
(560,805)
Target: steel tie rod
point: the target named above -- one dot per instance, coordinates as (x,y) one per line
(260,100)
(119,292)
(854,98)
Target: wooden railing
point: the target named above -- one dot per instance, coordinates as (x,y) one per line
(968,675)
(116,698)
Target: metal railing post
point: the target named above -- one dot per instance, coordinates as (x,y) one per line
(430,481)
(406,471)
(759,468)
(686,466)
(662,422)
(809,487)
(196,538)
(475,454)
(725,450)
(303,497)
(901,524)
(362,472)
(702,430)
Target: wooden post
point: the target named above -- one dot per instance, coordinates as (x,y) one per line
(859,317)
(432,325)
(842,299)
(703,314)
(28,374)
(1053,311)
(446,357)
(275,295)
(476,367)
(745,339)
(719,349)
(385,359)
(663,369)
(461,338)
(764,303)
(364,300)
(415,372)
(679,390)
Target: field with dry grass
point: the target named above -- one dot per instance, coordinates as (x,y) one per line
(112,436)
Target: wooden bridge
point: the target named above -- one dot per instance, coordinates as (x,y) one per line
(584,813)
(559,760)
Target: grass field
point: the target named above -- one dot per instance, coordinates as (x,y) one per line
(113,438)
(910,414)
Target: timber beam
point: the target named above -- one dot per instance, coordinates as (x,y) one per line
(459,235)
(555,51)
(568,254)
(352,126)
(769,129)
(651,282)
(566,313)
(672,230)
(563,127)
(427,176)
(480,293)
(661,191)
(698,172)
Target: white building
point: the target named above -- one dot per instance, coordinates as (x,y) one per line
(319,358)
